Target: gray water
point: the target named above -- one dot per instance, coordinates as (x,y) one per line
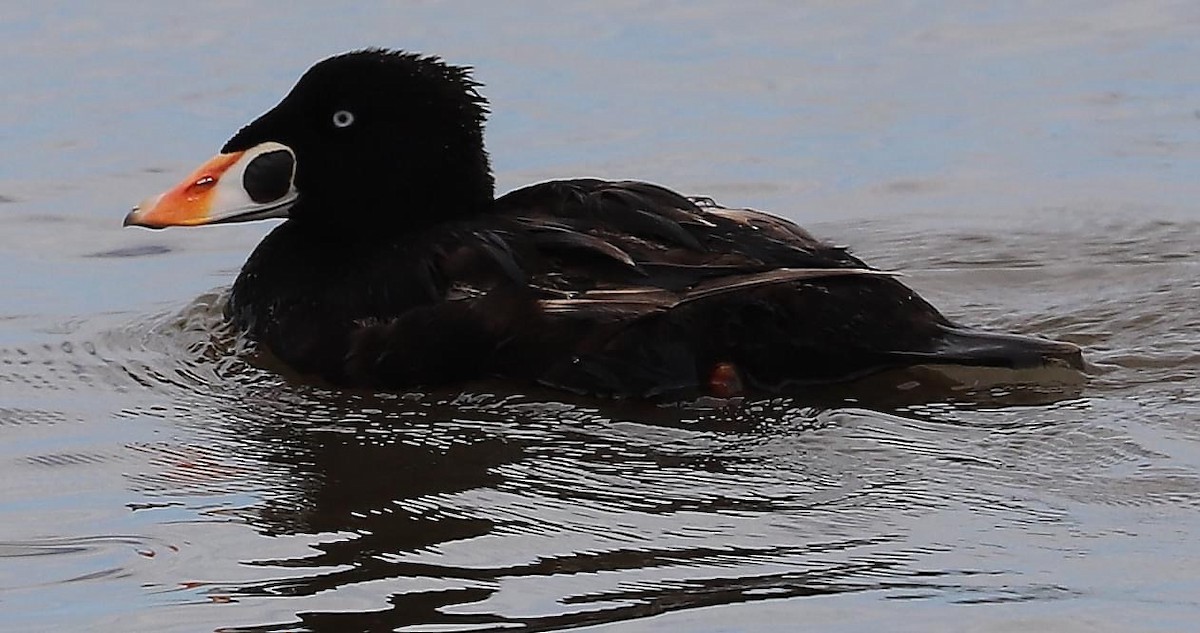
(1030,167)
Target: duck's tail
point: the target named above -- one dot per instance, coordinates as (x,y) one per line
(965,346)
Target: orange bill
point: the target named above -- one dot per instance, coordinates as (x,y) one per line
(226,188)
(189,202)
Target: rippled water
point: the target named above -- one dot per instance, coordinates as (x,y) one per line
(1030,169)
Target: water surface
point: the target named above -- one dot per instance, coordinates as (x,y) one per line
(1029,168)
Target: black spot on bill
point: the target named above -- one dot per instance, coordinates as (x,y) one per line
(269,176)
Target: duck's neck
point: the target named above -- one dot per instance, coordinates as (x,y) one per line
(409,204)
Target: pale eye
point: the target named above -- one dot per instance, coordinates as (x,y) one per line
(343,118)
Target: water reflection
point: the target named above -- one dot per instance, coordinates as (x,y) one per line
(543,511)
(492,509)
(499,513)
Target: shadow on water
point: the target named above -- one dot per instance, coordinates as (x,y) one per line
(539,510)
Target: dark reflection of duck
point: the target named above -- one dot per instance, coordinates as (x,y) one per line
(424,511)
(397,266)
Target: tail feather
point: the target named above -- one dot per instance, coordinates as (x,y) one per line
(964,346)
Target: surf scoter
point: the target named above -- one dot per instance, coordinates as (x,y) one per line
(396,265)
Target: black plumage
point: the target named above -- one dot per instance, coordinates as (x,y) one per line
(397,267)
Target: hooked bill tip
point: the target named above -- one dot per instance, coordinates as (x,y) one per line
(134,218)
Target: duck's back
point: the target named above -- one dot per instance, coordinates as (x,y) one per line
(629,289)
(667,294)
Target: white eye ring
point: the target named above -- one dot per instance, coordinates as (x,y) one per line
(343,118)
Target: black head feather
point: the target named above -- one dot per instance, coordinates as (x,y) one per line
(392,134)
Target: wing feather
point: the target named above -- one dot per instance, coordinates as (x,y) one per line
(648,299)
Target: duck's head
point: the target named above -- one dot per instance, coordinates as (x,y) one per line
(372,136)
